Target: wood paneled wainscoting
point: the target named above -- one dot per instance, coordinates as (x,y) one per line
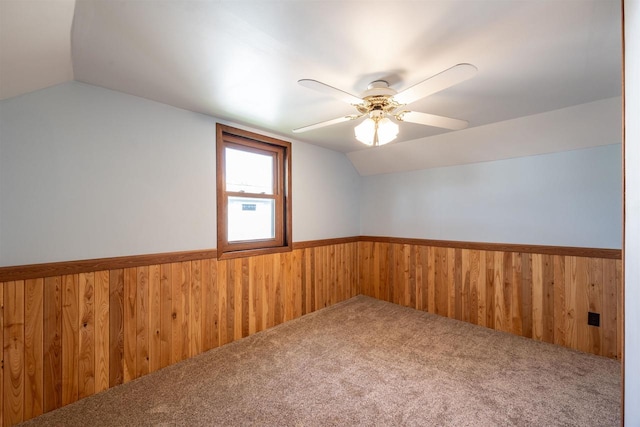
(73,329)
(70,330)
(540,292)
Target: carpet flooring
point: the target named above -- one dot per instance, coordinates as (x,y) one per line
(366,362)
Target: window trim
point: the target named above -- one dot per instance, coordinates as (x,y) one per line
(252,142)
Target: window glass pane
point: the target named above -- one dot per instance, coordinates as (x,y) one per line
(250,219)
(248,172)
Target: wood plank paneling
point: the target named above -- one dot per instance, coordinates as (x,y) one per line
(102,328)
(185,308)
(620,311)
(195,321)
(155,316)
(548,298)
(516,294)
(33,348)
(320,276)
(441,279)
(594,301)
(83,332)
(499,292)
(116,327)
(571,331)
(500,247)
(431,280)
(142,318)
(490,277)
(609,309)
(176,312)
(230,300)
(129,323)
(527,295)
(368,274)
(211,339)
(464,276)
(455,286)
(507,294)
(70,337)
(244,304)
(2,285)
(537,295)
(52,344)
(222,303)
(297,284)
(537,299)
(86,328)
(166,315)
(331,282)
(315,278)
(14,372)
(559,300)
(236,291)
(288,293)
(581,284)
(474,294)
(205,277)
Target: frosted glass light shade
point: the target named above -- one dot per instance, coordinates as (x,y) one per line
(371,133)
(387,131)
(365,131)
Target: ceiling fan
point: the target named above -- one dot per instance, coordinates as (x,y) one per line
(380,102)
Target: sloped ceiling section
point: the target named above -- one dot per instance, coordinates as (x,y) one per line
(583,126)
(239,61)
(35,45)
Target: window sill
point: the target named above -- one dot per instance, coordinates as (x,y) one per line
(252,252)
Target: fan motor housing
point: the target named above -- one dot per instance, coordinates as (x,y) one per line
(378,88)
(378,99)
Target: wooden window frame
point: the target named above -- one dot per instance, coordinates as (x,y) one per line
(227,136)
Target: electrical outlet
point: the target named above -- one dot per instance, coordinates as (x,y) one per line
(593,319)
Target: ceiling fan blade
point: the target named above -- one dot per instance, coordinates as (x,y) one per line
(330,90)
(432,120)
(447,78)
(326,123)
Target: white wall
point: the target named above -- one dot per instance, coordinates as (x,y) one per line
(326,194)
(567,199)
(86,172)
(632,214)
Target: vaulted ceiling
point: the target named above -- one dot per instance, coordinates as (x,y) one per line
(240,60)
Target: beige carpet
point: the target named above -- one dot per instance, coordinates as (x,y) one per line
(367,362)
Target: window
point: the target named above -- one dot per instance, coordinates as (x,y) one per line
(253,193)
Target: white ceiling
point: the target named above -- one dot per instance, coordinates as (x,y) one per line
(240,60)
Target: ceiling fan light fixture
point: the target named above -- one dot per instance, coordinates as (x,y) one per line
(376,131)
(387,131)
(380,102)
